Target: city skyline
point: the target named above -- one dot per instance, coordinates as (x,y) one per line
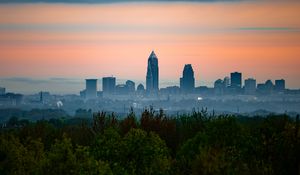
(110,84)
(186,82)
(74,85)
(112,39)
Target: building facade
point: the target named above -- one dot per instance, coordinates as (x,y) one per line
(250,86)
(187,81)
(279,85)
(91,88)
(108,85)
(236,80)
(152,77)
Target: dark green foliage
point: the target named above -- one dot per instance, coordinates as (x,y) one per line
(216,150)
(63,158)
(146,153)
(164,126)
(101,121)
(196,143)
(128,123)
(138,152)
(109,147)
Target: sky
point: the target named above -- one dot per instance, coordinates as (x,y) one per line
(55,44)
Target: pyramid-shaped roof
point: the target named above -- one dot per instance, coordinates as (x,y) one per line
(152,55)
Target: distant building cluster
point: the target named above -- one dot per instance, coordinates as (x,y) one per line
(228,85)
(233,93)
(234,86)
(9,98)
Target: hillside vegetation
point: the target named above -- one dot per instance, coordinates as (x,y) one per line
(196,143)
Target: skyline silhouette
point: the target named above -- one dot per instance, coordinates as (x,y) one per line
(186,82)
(95,40)
(152,84)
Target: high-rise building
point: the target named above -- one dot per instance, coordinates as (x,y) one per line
(269,86)
(108,85)
(219,87)
(91,88)
(187,81)
(279,85)
(236,80)
(265,88)
(130,86)
(140,87)
(152,77)
(226,81)
(250,86)
(2,91)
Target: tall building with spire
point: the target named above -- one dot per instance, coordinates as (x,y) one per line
(152,77)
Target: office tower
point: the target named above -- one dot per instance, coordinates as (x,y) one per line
(140,87)
(91,88)
(236,80)
(130,86)
(152,77)
(2,91)
(108,85)
(250,86)
(279,85)
(269,86)
(187,81)
(226,81)
(219,87)
(265,88)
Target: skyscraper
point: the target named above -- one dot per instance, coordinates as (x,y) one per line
(152,77)
(108,85)
(187,81)
(269,86)
(219,87)
(91,88)
(236,80)
(250,86)
(226,81)
(130,86)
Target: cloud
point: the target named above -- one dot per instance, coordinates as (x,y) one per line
(24,80)
(42,81)
(110,1)
(284,29)
(132,28)
(65,80)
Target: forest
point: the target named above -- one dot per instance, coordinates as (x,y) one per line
(151,143)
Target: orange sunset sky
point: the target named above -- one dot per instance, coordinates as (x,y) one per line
(260,39)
